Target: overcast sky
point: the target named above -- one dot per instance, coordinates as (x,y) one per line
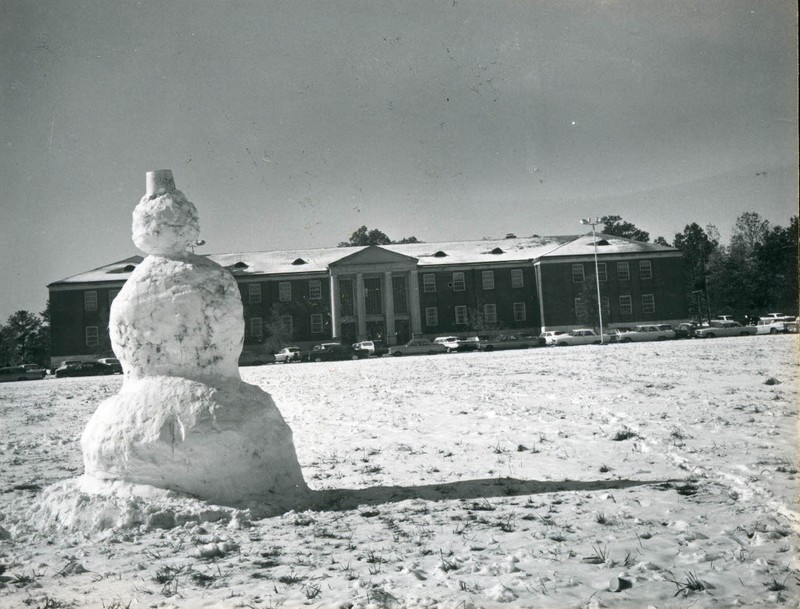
(290,124)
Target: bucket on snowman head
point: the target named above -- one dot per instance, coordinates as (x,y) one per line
(159,182)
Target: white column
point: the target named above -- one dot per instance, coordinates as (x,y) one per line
(413,288)
(388,299)
(361,307)
(334,306)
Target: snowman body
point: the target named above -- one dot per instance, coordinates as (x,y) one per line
(183,419)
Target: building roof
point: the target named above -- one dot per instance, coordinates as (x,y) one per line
(116,271)
(285,262)
(607,244)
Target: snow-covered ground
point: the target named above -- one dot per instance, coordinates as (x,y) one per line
(513,479)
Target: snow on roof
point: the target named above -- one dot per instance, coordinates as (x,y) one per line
(116,271)
(607,244)
(507,250)
(476,252)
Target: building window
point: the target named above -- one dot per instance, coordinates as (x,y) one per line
(285,291)
(90,301)
(648,303)
(316,323)
(625,305)
(315,289)
(519,311)
(112,294)
(428,282)
(461,315)
(400,294)
(254,293)
(288,325)
(516,278)
(346,300)
(459,284)
(645,269)
(490,313)
(623,271)
(373,299)
(92,336)
(602,272)
(577,273)
(431,316)
(256,328)
(487,279)
(580,308)
(605,303)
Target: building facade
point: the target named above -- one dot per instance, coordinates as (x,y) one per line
(397,292)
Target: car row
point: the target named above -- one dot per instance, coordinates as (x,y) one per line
(720,326)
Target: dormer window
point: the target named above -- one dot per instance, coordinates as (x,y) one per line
(299,261)
(497,250)
(601,242)
(128,268)
(440,254)
(240,265)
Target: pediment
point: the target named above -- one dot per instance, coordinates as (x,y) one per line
(375,255)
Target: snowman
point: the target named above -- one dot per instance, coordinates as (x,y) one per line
(183,419)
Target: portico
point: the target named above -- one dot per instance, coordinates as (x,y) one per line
(375,295)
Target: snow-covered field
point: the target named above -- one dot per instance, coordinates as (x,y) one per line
(512,479)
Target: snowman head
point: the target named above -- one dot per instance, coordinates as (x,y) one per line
(164,221)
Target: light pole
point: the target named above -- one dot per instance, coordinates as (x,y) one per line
(594,222)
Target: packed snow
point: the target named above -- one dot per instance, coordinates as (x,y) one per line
(537,478)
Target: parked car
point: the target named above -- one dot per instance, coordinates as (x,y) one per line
(256,358)
(329,352)
(20,373)
(418,346)
(375,347)
(450,343)
(67,364)
(645,332)
(684,330)
(792,325)
(512,341)
(724,328)
(84,369)
(771,326)
(471,343)
(778,316)
(35,369)
(113,363)
(551,336)
(583,336)
(287,354)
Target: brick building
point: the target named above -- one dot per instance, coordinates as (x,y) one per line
(394,292)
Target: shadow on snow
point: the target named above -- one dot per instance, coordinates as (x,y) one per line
(348,499)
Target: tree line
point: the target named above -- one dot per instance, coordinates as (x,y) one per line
(755,273)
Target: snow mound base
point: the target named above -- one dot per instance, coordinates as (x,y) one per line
(227,444)
(89,506)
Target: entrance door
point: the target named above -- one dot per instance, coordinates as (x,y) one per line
(376,330)
(402,331)
(349,331)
